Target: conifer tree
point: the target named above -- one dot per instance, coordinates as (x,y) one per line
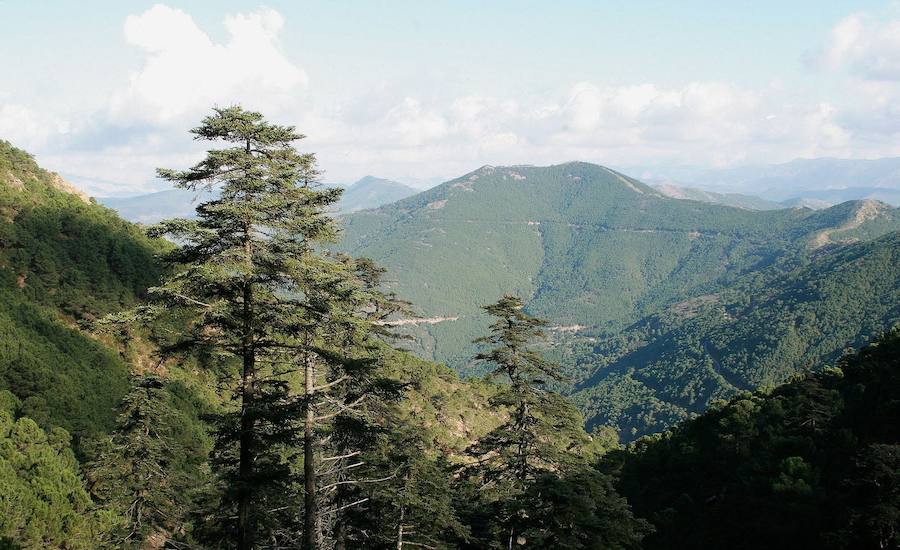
(135,474)
(542,430)
(235,268)
(289,326)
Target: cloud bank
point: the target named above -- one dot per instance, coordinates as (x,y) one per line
(400,133)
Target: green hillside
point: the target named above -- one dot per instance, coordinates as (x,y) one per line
(63,259)
(589,248)
(812,464)
(757,333)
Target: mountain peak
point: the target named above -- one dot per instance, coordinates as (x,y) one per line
(372,192)
(371,181)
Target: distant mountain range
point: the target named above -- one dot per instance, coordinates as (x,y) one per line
(728,199)
(372,192)
(368,192)
(804,182)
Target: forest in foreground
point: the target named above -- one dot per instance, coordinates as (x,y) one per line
(241,385)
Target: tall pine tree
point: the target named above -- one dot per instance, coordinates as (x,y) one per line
(289,326)
(542,431)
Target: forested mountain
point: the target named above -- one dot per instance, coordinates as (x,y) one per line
(146,469)
(811,464)
(133,429)
(62,260)
(764,328)
(658,305)
(589,248)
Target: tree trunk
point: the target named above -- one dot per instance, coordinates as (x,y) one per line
(311,518)
(400,528)
(245,468)
(340,536)
(248,374)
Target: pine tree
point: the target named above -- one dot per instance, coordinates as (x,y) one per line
(542,430)
(289,326)
(410,496)
(135,474)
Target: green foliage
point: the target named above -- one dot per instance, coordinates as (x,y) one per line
(813,464)
(148,470)
(411,503)
(757,333)
(57,370)
(582,244)
(531,475)
(580,509)
(43,503)
(60,250)
(62,257)
(542,427)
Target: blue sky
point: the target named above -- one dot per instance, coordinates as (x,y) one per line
(104,91)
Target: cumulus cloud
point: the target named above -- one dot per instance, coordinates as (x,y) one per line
(28,128)
(866,46)
(406,132)
(185,71)
(700,122)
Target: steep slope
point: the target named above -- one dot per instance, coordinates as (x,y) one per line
(63,259)
(813,464)
(371,192)
(765,328)
(591,249)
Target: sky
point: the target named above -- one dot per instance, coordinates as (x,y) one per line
(104,92)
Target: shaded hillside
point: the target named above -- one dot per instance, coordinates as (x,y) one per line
(591,249)
(757,333)
(62,259)
(812,464)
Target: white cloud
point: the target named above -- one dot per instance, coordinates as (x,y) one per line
(27,128)
(866,46)
(700,122)
(395,132)
(184,71)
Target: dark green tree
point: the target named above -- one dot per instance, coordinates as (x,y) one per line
(410,498)
(543,432)
(236,269)
(132,474)
(43,503)
(289,326)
